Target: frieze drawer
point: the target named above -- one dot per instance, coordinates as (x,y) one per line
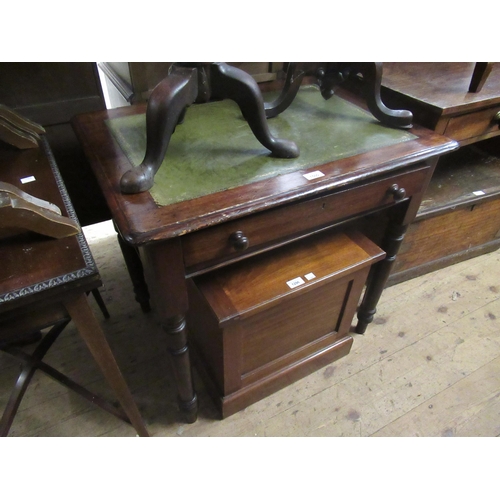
(471,125)
(254,232)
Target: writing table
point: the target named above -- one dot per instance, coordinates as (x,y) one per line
(236,201)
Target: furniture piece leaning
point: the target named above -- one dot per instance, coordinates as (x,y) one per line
(44,281)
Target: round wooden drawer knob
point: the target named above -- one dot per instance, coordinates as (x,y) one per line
(397,192)
(239,241)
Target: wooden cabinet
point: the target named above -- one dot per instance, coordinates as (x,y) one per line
(51,94)
(262,324)
(459,217)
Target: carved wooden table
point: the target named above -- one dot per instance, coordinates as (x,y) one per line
(359,171)
(44,282)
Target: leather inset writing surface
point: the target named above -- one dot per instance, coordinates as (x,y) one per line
(214,148)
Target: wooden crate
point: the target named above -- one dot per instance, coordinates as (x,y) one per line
(256,328)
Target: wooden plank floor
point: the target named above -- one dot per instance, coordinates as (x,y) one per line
(428,366)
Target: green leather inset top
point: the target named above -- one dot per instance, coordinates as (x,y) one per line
(214,149)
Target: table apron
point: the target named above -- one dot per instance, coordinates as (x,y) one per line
(205,248)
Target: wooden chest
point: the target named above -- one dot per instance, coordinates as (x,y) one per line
(459,217)
(256,328)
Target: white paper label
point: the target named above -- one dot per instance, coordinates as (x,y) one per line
(295,282)
(310,276)
(314,175)
(478,193)
(25,180)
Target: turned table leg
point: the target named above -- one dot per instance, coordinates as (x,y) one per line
(177,343)
(381,271)
(164,273)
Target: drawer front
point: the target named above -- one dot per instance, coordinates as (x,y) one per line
(221,242)
(486,121)
(431,241)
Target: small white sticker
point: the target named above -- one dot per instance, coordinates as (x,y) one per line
(295,282)
(310,276)
(25,180)
(314,175)
(478,193)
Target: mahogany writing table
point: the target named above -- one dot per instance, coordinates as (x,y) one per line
(351,168)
